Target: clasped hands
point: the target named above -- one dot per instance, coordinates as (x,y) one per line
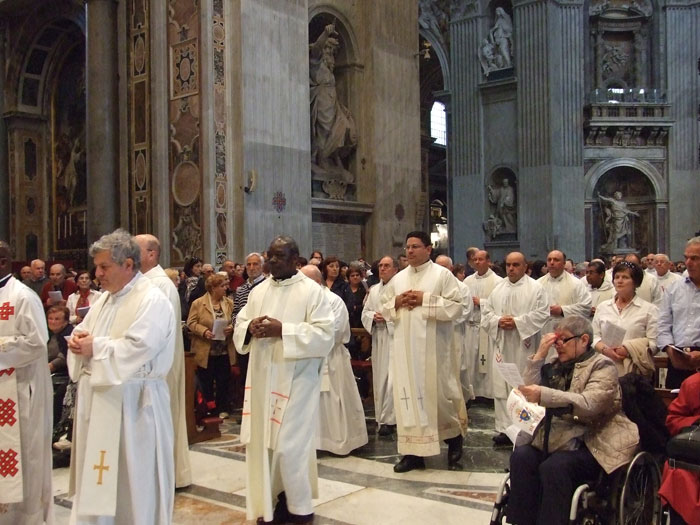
(506,322)
(265,326)
(80,343)
(409,299)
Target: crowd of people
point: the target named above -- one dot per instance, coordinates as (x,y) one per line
(115,340)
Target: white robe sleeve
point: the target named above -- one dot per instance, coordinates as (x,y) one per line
(388,300)
(657,293)
(581,301)
(341,325)
(447,306)
(117,360)
(533,321)
(368,311)
(240,331)
(28,343)
(489,319)
(314,336)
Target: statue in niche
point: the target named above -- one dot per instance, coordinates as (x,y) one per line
(504,218)
(495,51)
(617,222)
(333,130)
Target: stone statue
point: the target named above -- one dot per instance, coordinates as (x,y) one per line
(505,216)
(333,131)
(495,51)
(616,222)
(502,34)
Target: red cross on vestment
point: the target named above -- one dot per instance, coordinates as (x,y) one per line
(7,412)
(6,310)
(8,463)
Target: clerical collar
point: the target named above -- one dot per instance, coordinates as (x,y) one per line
(486,274)
(281,279)
(516,283)
(5,280)
(561,276)
(422,267)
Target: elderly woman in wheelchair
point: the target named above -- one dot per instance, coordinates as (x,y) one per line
(589,432)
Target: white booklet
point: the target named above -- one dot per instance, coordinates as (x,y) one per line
(56,296)
(218,329)
(611,334)
(524,415)
(82,311)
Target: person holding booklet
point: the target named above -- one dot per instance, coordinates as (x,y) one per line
(79,302)
(625,327)
(211,330)
(585,429)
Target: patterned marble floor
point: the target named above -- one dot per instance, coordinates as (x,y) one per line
(356,489)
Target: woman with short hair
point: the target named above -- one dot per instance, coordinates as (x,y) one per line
(83,297)
(213,356)
(637,317)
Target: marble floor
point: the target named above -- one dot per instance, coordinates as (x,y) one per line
(357,489)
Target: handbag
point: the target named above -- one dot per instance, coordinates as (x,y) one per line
(685,446)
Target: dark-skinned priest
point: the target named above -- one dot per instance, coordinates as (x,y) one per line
(287,328)
(120,356)
(25,403)
(423,300)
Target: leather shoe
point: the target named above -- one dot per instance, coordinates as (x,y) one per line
(386,430)
(408,463)
(502,440)
(454,449)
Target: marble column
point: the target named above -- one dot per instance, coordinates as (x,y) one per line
(683,90)
(102,118)
(4,160)
(465,178)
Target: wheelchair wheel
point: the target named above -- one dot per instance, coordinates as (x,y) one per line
(498,514)
(638,502)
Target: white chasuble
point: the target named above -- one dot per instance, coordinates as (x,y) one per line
(282,392)
(176,381)
(133,343)
(382,357)
(427,396)
(341,421)
(569,292)
(479,353)
(526,301)
(25,408)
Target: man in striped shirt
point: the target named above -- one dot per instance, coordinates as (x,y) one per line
(253,265)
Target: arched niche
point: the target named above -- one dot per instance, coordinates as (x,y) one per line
(642,189)
(501,194)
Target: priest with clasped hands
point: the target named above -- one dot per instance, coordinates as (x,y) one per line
(287,327)
(120,355)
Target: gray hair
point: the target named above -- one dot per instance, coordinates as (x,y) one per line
(577,325)
(255,254)
(356,266)
(120,245)
(693,240)
(394,261)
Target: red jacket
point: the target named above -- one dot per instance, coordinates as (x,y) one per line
(68,288)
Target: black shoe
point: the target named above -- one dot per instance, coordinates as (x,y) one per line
(408,463)
(386,430)
(454,449)
(281,514)
(501,440)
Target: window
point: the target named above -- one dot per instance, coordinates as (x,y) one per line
(438,123)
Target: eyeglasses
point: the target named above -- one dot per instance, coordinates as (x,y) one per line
(567,339)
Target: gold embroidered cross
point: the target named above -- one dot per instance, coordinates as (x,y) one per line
(101,467)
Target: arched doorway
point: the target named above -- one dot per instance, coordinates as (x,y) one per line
(625,208)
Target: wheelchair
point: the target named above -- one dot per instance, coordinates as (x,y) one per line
(628,496)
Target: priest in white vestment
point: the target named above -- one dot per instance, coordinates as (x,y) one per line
(423,300)
(459,339)
(341,417)
(122,463)
(26,406)
(567,295)
(150,255)
(664,276)
(513,317)
(287,328)
(600,288)
(382,331)
(479,354)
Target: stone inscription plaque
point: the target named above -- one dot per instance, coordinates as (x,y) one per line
(342,240)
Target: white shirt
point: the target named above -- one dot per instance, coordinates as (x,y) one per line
(640,319)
